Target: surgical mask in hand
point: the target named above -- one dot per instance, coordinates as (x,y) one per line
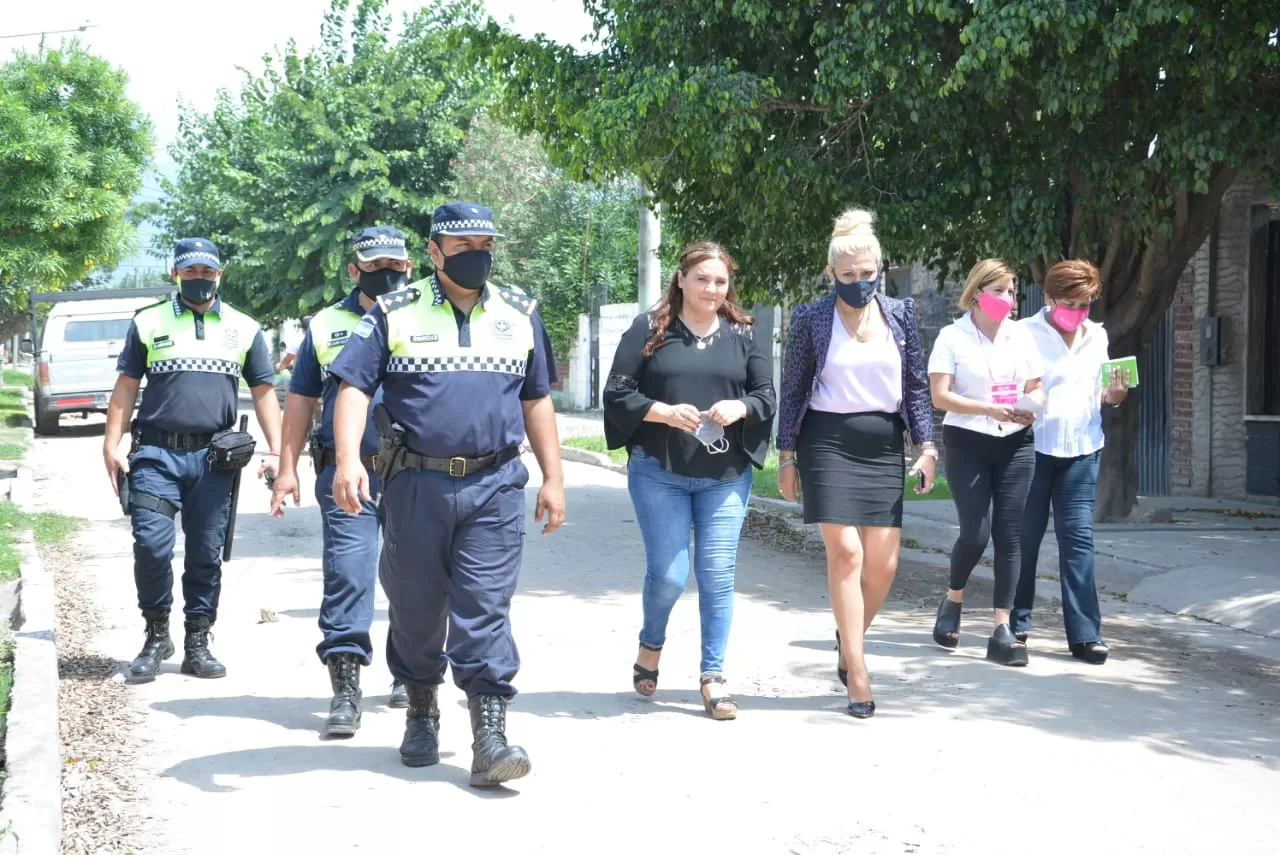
(711,435)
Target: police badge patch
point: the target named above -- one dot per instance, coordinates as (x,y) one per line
(231,339)
(502,329)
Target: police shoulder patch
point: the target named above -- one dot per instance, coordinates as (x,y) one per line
(166,301)
(399,299)
(363,329)
(520,302)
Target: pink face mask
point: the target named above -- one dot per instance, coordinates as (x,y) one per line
(996,308)
(1068,320)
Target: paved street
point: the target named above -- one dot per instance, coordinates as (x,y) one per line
(1168,748)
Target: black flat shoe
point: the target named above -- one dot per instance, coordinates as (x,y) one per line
(1094,654)
(842,673)
(862,709)
(1004,649)
(947,623)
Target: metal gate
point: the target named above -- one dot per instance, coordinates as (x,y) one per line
(1153,397)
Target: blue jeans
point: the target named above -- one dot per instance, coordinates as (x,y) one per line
(350,572)
(1071,484)
(666,506)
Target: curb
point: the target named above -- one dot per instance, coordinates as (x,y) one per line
(591,458)
(32,809)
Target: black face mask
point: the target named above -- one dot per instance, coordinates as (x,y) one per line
(374,283)
(198,291)
(469,269)
(857,294)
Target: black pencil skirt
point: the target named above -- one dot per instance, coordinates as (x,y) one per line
(851,468)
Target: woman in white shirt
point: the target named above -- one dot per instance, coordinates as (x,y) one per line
(1068,440)
(985,372)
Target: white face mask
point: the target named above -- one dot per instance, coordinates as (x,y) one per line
(711,435)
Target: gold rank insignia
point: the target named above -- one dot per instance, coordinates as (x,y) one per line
(515,300)
(399,299)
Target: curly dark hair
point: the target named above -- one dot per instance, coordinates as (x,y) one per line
(672,302)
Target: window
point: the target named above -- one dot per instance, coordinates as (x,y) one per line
(110,329)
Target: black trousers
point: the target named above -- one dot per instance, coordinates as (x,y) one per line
(989,477)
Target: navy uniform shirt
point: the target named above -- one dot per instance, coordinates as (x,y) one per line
(312,381)
(192,401)
(448,413)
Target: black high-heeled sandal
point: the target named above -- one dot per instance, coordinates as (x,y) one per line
(947,623)
(842,673)
(643,674)
(1095,653)
(1004,649)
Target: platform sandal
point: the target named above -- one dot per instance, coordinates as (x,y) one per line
(1004,649)
(719,707)
(947,623)
(644,675)
(1095,653)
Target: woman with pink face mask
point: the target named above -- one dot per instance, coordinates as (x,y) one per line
(984,371)
(1068,439)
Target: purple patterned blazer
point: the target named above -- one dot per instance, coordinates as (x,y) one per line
(807,343)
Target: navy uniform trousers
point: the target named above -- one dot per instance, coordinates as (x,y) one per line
(203,496)
(451,559)
(350,571)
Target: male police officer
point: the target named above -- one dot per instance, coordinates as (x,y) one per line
(381,265)
(193,350)
(466,369)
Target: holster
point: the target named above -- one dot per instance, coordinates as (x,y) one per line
(392,444)
(231,450)
(317,453)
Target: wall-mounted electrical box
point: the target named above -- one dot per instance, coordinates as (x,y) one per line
(1210,340)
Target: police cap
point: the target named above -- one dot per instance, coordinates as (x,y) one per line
(188,252)
(379,242)
(463,218)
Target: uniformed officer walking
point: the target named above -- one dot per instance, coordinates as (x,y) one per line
(193,349)
(381,265)
(466,370)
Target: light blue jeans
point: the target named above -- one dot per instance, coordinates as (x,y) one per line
(667,506)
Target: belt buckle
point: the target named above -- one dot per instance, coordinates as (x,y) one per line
(462,461)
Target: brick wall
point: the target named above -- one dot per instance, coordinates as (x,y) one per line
(1184,364)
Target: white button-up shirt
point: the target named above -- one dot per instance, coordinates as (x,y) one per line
(976,362)
(1070,424)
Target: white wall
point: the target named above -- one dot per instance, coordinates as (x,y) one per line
(615,319)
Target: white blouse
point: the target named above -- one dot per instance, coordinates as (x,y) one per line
(978,364)
(1070,425)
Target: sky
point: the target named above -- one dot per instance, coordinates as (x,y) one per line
(177,49)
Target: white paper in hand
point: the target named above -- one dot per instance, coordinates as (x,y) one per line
(1027,404)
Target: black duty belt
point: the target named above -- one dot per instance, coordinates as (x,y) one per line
(174,441)
(459,467)
(329,457)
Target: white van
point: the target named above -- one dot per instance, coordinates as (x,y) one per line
(75,361)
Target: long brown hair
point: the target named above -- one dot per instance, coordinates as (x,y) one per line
(668,309)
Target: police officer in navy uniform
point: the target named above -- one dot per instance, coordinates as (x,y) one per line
(466,370)
(381,264)
(193,349)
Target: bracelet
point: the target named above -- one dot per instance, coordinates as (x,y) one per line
(929,452)
(783,464)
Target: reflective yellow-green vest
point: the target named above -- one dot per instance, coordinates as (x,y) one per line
(330,331)
(422,334)
(168,331)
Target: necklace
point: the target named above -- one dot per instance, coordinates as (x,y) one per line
(702,340)
(859,332)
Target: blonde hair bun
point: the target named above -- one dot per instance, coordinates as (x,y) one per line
(854,221)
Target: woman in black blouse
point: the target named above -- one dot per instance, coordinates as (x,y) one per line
(690,396)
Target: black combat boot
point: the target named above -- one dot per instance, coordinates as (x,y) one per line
(198,661)
(421,745)
(344,709)
(157,648)
(399,696)
(493,760)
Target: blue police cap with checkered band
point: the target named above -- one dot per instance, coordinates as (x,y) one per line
(463,218)
(379,242)
(188,252)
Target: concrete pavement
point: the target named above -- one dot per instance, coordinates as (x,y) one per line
(963,756)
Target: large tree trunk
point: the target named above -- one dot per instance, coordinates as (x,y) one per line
(1118,474)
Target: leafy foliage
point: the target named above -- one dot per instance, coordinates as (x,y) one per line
(358,132)
(73,150)
(562,237)
(1034,130)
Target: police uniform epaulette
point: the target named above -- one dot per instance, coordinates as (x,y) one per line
(163,302)
(516,300)
(399,299)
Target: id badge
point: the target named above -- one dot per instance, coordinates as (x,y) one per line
(1004,394)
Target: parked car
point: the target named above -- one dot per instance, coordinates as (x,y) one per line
(75,361)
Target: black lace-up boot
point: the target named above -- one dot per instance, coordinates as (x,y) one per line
(421,745)
(344,709)
(198,661)
(493,760)
(157,647)
(399,696)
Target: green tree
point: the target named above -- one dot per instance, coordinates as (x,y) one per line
(355,133)
(562,236)
(73,150)
(1034,130)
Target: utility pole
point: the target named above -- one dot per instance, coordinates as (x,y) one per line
(649,286)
